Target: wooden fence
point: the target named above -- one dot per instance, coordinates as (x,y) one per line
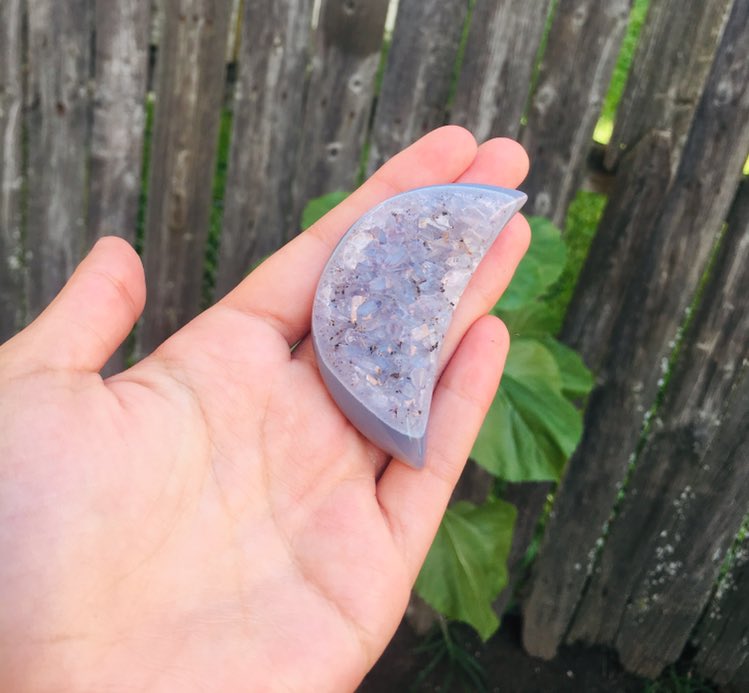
(642,551)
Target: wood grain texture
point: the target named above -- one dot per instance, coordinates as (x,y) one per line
(121,67)
(59,110)
(686,500)
(529,499)
(11,168)
(121,73)
(495,77)
(575,72)
(268,107)
(721,638)
(189,92)
(416,82)
(668,73)
(613,261)
(681,237)
(344,62)
(612,268)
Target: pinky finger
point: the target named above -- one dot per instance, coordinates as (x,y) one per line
(413,501)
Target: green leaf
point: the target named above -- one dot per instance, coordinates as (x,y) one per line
(535,319)
(531,428)
(539,269)
(466,568)
(320,206)
(520,438)
(530,360)
(577,380)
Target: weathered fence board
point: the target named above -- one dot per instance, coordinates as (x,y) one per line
(721,638)
(346,54)
(121,70)
(680,241)
(11,173)
(576,68)
(668,72)
(121,73)
(614,257)
(414,92)
(268,106)
(58,115)
(529,498)
(685,502)
(725,624)
(495,77)
(189,93)
(602,290)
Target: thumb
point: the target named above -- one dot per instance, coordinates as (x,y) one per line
(92,315)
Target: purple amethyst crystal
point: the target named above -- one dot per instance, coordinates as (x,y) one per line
(386,298)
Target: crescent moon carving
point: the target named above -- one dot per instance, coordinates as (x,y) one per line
(386,298)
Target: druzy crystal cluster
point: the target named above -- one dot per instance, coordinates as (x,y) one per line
(386,298)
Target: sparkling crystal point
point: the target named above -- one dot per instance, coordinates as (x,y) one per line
(386,298)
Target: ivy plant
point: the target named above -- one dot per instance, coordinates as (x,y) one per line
(532,428)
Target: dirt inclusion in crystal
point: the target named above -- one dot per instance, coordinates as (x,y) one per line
(386,298)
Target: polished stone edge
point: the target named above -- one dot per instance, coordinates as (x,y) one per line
(410,449)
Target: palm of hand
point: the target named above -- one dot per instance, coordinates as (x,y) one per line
(209,518)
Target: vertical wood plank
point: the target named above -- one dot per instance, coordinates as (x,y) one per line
(680,241)
(529,499)
(189,92)
(346,54)
(11,168)
(495,78)
(689,491)
(613,261)
(721,638)
(121,68)
(58,117)
(669,68)
(612,267)
(576,68)
(268,107)
(416,83)
(121,73)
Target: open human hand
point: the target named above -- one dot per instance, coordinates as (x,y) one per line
(208,519)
